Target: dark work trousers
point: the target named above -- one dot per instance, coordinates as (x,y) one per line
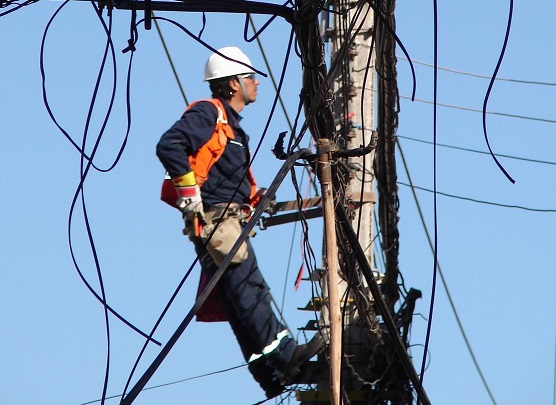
(245,297)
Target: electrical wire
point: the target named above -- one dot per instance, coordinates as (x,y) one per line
(498,79)
(489,90)
(546,162)
(500,114)
(519,207)
(444,283)
(167,52)
(46,103)
(84,168)
(435,207)
(153,387)
(80,192)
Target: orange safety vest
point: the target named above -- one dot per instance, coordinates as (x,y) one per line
(202,161)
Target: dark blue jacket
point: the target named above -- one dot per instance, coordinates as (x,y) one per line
(190,133)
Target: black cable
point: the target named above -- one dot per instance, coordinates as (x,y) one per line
(434,273)
(290,254)
(491,84)
(205,44)
(81,190)
(84,168)
(362,115)
(392,32)
(7,3)
(43,80)
(133,29)
(85,156)
(256,32)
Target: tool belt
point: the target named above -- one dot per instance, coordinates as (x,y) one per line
(218,211)
(225,225)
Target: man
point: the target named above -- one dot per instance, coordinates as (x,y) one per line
(206,155)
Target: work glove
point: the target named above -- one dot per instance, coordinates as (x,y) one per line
(189,196)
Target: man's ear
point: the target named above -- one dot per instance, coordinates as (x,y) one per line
(234,84)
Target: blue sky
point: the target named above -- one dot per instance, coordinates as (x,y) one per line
(498,262)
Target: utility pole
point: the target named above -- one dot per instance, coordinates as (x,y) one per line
(376,368)
(354,110)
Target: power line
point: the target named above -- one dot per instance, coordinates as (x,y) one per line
(169,59)
(173,382)
(520,207)
(523,117)
(546,162)
(450,300)
(464,73)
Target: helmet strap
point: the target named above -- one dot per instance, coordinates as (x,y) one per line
(245,98)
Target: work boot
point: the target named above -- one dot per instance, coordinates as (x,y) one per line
(301,355)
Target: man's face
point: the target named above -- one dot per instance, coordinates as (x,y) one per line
(250,84)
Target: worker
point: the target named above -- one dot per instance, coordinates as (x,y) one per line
(206,157)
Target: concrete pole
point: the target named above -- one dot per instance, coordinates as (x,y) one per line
(359,104)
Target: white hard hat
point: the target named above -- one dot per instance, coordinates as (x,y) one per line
(218,67)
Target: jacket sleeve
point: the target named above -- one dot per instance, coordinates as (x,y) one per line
(185,137)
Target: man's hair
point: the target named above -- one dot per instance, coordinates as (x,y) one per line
(221,88)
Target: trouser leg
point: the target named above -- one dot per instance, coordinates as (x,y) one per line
(245,294)
(261,371)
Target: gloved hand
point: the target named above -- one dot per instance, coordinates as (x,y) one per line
(261,192)
(189,196)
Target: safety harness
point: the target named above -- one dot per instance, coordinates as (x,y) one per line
(202,161)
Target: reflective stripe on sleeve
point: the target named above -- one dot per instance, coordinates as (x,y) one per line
(271,347)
